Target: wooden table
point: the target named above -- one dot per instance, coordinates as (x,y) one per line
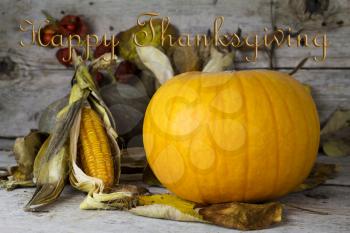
(31,78)
(332,198)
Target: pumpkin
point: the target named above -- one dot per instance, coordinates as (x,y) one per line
(242,136)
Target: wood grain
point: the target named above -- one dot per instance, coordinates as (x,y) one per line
(31,78)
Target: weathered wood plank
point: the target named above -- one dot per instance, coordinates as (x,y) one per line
(25,95)
(25,71)
(332,21)
(194,17)
(65,216)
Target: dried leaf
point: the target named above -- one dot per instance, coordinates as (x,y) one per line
(218,61)
(243,216)
(335,135)
(51,163)
(108,201)
(11,184)
(337,148)
(156,61)
(184,59)
(338,120)
(164,212)
(122,197)
(25,150)
(320,173)
(166,206)
(50,178)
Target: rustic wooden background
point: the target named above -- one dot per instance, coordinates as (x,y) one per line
(31,78)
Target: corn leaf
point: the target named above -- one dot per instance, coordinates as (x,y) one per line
(166,206)
(50,179)
(10,185)
(51,163)
(108,201)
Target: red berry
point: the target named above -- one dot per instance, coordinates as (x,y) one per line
(47,33)
(62,55)
(72,25)
(102,49)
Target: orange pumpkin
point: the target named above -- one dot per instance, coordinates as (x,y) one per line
(240,136)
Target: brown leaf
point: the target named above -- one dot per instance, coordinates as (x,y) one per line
(338,120)
(243,216)
(184,59)
(320,173)
(25,150)
(337,148)
(335,135)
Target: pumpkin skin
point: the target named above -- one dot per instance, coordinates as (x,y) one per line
(242,136)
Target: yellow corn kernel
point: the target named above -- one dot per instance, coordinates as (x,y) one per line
(94,148)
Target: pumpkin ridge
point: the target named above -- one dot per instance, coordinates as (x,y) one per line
(244,107)
(171,112)
(188,157)
(274,120)
(298,97)
(288,110)
(220,157)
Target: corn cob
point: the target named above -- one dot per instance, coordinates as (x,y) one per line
(94,148)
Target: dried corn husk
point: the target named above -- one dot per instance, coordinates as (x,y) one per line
(25,150)
(157,62)
(57,157)
(51,164)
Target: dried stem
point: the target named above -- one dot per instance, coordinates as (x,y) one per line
(299,66)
